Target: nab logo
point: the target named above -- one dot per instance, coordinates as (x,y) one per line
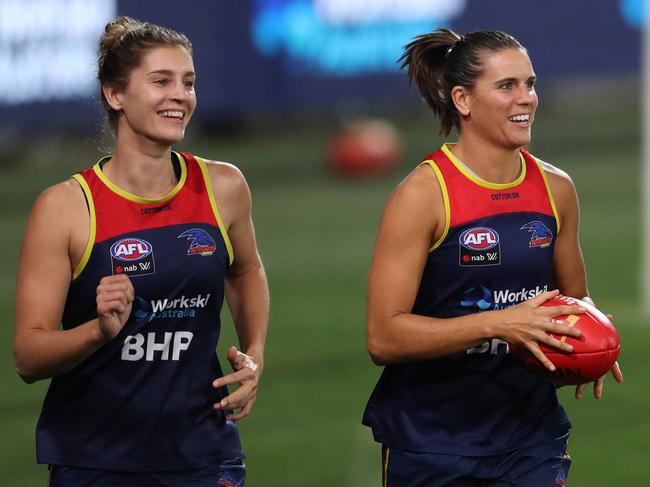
(480,238)
(479,246)
(130,249)
(133,257)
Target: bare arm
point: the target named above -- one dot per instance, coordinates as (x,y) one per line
(412,220)
(246,286)
(41,348)
(568,262)
(246,289)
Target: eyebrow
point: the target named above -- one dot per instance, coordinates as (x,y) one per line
(513,80)
(169,72)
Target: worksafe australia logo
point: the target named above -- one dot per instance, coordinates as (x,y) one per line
(481,298)
(166,308)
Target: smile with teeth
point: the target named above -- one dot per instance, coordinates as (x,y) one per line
(172,114)
(519,118)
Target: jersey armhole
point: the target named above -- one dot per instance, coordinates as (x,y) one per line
(93,226)
(445,199)
(215,209)
(550,194)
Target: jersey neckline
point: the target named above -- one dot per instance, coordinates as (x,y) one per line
(139,199)
(469,174)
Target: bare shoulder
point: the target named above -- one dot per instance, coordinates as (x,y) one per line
(419,187)
(60,217)
(563,190)
(62,200)
(231,192)
(417,205)
(227,179)
(558,179)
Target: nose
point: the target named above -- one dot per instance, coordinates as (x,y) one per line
(180,92)
(527,95)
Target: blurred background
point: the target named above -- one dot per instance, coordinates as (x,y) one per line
(306,97)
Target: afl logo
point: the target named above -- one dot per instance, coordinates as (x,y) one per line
(130,249)
(479,238)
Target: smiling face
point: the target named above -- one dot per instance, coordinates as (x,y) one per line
(159,99)
(500,108)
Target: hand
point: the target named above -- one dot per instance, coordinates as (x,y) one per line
(115,296)
(247,372)
(600,382)
(528,324)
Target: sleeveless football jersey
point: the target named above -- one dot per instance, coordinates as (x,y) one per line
(143,401)
(496,251)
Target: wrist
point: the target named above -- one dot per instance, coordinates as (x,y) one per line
(97,337)
(492,326)
(257,357)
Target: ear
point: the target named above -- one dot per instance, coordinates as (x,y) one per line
(113,96)
(461,97)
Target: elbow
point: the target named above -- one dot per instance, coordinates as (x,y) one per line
(23,369)
(375,354)
(25,375)
(378,346)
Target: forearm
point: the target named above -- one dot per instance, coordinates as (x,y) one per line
(42,353)
(407,337)
(248,299)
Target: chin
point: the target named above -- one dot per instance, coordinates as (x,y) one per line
(169,139)
(518,142)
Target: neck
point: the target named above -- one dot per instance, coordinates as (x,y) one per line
(489,162)
(144,170)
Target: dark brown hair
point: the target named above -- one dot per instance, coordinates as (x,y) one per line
(440,60)
(121,48)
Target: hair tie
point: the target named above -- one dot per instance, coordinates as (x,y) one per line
(451,48)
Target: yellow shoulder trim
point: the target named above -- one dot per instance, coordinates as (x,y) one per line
(139,199)
(446,149)
(93,227)
(550,194)
(215,209)
(445,199)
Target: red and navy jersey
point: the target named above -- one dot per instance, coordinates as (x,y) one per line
(143,401)
(496,251)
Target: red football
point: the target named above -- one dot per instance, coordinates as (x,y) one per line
(364,148)
(594,353)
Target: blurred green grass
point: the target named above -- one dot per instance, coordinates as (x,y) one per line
(316,233)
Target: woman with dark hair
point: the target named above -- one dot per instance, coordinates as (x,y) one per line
(452,408)
(121,308)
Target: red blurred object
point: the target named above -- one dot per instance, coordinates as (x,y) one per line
(594,353)
(365,148)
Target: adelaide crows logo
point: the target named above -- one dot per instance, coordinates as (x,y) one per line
(201,243)
(541,236)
